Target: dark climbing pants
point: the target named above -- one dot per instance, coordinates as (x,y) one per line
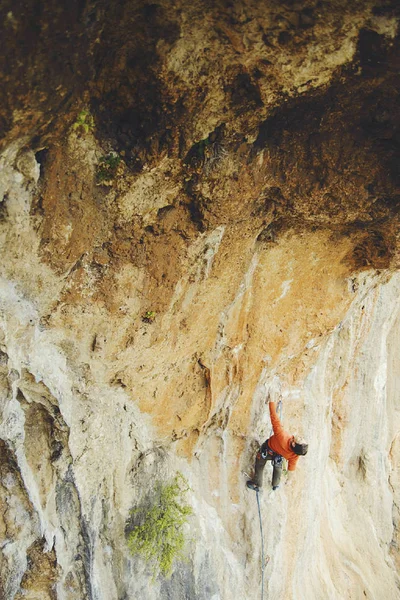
(260,464)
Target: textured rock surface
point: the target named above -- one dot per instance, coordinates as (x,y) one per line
(248,240)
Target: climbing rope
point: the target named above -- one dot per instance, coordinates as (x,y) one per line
(280,409)
(262,546)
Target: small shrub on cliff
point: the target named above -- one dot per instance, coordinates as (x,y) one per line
(149,316)
(107,167)
(84,121)
(157,533)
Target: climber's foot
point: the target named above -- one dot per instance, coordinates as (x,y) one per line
(252,486)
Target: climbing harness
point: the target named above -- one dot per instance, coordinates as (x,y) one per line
(262,545)
(268,452)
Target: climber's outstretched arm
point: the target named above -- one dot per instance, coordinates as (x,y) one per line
(276,424)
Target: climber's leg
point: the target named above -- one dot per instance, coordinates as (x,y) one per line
(277,471)
(261,459)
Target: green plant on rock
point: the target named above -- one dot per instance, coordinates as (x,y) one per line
(84,121)
(107,167)
(157,534)
(149,316)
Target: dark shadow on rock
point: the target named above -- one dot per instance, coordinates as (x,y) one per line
(183,586)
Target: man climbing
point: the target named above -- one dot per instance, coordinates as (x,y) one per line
(279,446)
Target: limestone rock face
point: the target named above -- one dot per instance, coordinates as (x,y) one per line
(199,204)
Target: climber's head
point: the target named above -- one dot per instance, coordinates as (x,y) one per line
(299,446)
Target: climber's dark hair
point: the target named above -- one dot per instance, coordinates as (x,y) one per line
(300,448)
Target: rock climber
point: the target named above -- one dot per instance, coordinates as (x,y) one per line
(279,446)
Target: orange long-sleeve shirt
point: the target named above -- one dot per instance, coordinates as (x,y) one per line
(281,441)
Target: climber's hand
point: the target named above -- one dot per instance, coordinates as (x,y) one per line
(268,399)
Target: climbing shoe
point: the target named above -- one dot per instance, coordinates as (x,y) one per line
(275,487)
(252,486)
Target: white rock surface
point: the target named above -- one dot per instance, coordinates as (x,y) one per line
(85,451)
